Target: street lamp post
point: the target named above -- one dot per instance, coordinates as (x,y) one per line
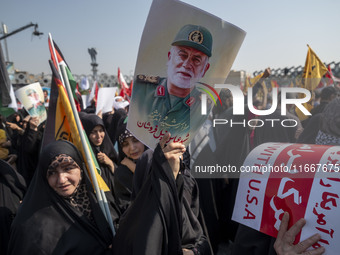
(4,31)
(6,34)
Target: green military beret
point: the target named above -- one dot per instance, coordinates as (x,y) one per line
(194,36)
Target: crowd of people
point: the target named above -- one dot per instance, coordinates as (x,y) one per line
(48,204)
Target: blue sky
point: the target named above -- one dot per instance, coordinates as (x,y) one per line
(277,31)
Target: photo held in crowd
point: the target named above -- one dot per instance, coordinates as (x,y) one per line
(190,153)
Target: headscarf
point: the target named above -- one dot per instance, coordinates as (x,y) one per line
(311,130)
(12,190)
(152,224)
(121,134)
(112,123)
(14,134)
(79,198)
(170,209)
(269,132)
(12,118)
(330,122)
(123,180)
(48,224)
(126,134)
(90,121)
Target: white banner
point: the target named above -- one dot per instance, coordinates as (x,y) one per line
(302,179)
(105,99)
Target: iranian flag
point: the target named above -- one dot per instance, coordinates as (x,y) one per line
(93,94)
(125,90)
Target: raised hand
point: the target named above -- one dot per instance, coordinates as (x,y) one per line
(285,239)
(172,152)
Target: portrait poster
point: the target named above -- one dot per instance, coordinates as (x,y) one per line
(32,98)
(10,71)
(47,94)
(158,107)
(301,179)
(105,99)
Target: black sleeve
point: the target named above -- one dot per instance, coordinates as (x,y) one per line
(143,167)
(193,237)
(31,141)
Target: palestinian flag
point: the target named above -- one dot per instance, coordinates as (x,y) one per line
(58,59)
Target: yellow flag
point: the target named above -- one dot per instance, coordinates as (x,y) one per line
(300,114)
(314,70)
(250,82)
(312,73)
(66,129)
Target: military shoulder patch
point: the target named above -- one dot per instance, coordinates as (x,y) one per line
(148,79)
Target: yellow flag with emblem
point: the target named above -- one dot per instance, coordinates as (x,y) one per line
(313,71)
(66,128)
(63,123)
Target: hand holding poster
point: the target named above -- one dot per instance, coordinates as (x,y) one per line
(301,179)
(32,98)
(183,51)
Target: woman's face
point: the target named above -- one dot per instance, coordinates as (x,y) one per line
(97,135)
(64,178)
(132,147)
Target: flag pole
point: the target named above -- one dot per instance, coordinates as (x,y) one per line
(108,213)
(55,57)
(100,195)
(82,138)
(66,84)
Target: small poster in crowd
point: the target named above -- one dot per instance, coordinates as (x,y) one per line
(301,179)
(47,93)
(32,98)
(105,99)
(183,53)
(84,100)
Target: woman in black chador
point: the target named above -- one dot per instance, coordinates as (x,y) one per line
(60,213)
(162,217)
(130,150)
(12,191)
(101,145)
